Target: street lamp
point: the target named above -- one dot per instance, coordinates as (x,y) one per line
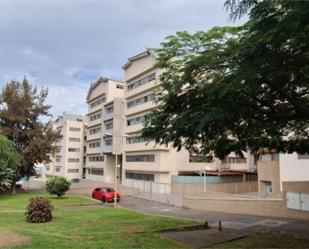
(116,163)
(204,171)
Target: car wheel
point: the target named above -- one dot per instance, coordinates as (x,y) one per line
(93,196)
(103,200)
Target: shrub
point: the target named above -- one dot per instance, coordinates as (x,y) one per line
(57,186)
(39,210)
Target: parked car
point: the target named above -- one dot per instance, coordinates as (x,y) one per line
(105,194)
(19,184)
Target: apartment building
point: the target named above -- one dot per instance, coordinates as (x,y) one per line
(68,161)
(104,129)
(148,161)
(285,176)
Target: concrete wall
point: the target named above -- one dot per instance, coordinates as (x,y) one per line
(293,169)
(233,188)
(270,208)
(269,171)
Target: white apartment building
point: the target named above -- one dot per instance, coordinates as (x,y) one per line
(148,161)
(68,161)
(104,129)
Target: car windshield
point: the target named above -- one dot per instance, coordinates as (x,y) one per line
(109,190)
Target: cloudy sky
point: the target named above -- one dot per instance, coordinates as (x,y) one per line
(67,44)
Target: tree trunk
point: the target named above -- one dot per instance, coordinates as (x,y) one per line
(14,188)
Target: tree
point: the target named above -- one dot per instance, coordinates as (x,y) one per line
(21,110)
(237,88)
(58,185)
(9,162)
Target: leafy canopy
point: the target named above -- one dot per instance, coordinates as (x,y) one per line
(21,110)
(9,162)
(234,89)
(58,186)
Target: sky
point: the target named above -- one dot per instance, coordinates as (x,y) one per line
(65,45)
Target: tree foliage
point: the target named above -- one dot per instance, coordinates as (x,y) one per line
(237,88)
(58,186)
(9,162)
(39,210)
(21,111)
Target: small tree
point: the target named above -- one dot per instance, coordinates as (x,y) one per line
(58,186)
(39,210)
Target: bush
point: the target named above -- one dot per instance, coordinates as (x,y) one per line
(57,186)
(39,210)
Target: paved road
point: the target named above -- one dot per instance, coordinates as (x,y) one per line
(246,223)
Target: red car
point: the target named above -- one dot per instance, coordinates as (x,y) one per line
(105,194)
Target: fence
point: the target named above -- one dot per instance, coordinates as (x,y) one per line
(154,191)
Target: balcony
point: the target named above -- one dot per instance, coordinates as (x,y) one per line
(146,87)
(96,108)
(140,108)
(108,116)
(133,128)
(94,136)
(151,146)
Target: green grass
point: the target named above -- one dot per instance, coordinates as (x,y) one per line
(110,228)
(91,228)
(266,240)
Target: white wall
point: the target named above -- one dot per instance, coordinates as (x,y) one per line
(293,169)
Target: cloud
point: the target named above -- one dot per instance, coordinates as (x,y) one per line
(66,45)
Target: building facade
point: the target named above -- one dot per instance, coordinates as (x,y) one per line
(69,160)
(104,129)
(149,161)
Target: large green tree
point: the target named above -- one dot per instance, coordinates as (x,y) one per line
(237,88)
(21,112)
(10,161)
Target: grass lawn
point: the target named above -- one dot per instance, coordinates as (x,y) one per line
(109,228)
(86,228)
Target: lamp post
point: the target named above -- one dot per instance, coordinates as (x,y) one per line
(205,177)
(116,164)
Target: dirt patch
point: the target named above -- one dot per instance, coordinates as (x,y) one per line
(80,207)
(10,239)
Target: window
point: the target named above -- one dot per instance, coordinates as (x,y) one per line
(95,130)
(74,129)
(234,160)
(95,116)
(74,139)
(109,109)
(138,176)
(199,159)
(73,170)
(96,158)
(136,120)
(97,102)
(141,100)
(303,156)
(47,167)
(58,158)
(135,140)
(74,149)
(119,86)
(109,125)
(73,160)
(95,144)
(57,168)
(141,81)
(97,171)
(108,141)
(140,158)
